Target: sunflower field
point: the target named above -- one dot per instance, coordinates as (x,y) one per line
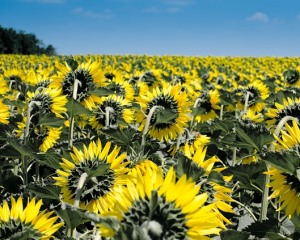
(149,147)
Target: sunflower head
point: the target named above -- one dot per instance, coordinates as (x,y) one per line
(206,105)
(80,81)
(285,187)
(106,173)
(165,111)
(158,207)
(111,112)
(253,95)
(4,113)
(26,222)
(288,107)
(47,100)
(291,77)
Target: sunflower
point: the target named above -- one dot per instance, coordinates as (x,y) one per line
(189,142)
(99,191)
(17,222)
(89,76)
(46,100)
(16,84)
(292,77)
(285,186)
(3,86)
(49,138)
(122,88)
(219,194)
(4,113)
(40,79)
(162,208)
(288,107)
(206,105)
(111,111)
(15,78)
(257,92)
(168,99)
(286,189)
(290,138)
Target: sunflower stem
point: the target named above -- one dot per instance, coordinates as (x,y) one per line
(195,105)
(221,112)
(78,191)
(72,119)
(26,134)
(146,127)
(178,142)
(247,209)
(247,100)
(107,111)
(265,195)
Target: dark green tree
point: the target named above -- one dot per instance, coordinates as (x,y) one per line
(13,42)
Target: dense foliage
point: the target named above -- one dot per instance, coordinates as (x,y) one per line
(149,147)
(13,42)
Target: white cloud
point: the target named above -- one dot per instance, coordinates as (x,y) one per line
(107,14)
(258,17)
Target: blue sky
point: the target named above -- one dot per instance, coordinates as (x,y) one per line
(160,27)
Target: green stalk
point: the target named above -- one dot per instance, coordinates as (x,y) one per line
(221,112)
(247,100)
(195,105)
(72,119)
(81,182)
(265,195)
(80,185)
(26,133)
(107,111)
(247,209)
(146,127)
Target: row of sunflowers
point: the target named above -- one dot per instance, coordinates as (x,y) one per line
(149,147)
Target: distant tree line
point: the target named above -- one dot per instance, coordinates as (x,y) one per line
(13,42)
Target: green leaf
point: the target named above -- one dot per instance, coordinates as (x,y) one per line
(51,120)
(261,229)
(198,111)
(50,159)
(296,221)
(102,92)
(165,116)
(188,167)
(14,103)
(73,64)
(244,136)
(45,192)
(232,234)
(99,171)
(248,174)
(9,151)
(216,177)
(77,108)
(286,161)
(122,137)
(21,148)
(71,217)
(275,236)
